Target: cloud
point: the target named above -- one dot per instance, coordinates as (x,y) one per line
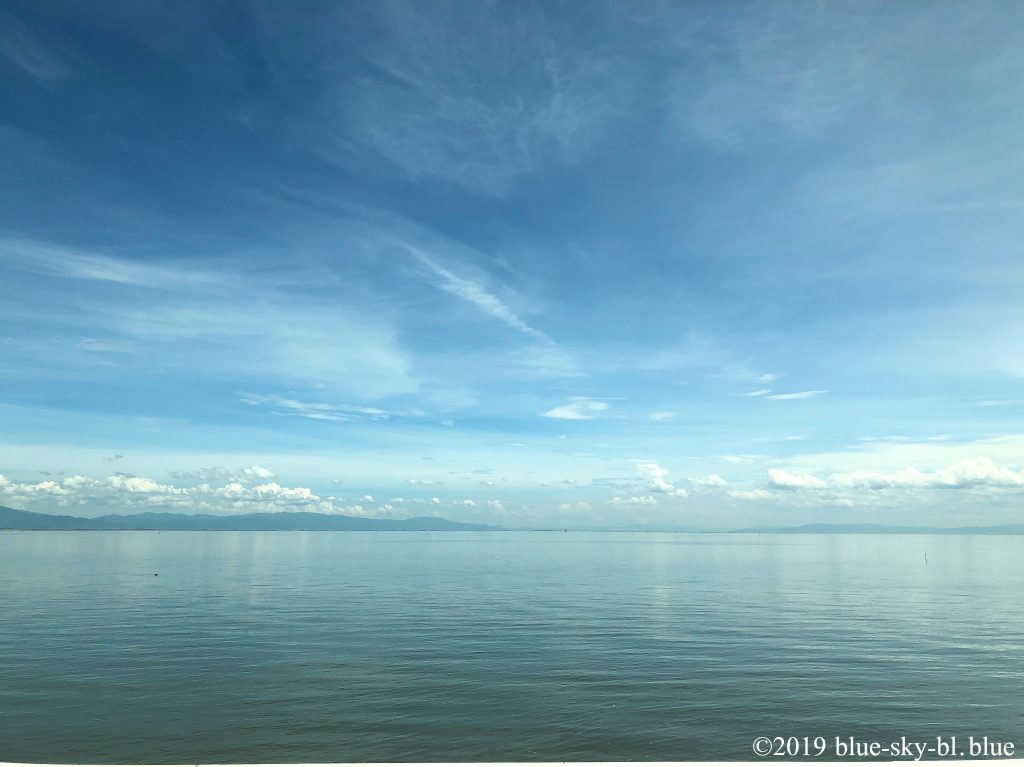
(578,506)
(480,96)
(44,258)
(210,318)
(655,476)
(206,491)
(257,472)
(220,474)
(710,480)
(662,415)
(980,472)
(126,494)
(636,500)
(798,394)
(751,495)
(476,294)
(785,480)
(30,53)
(800,72)
(738,459)
(579,409)
(424,482)
(756,393)
(317,411)
(974,473)
(141,485)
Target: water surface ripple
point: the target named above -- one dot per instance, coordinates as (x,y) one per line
(322,646)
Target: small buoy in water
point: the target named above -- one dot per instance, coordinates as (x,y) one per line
(155,574)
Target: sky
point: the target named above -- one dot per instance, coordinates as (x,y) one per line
(598,264)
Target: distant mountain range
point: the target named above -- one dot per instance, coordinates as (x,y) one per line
(12,519)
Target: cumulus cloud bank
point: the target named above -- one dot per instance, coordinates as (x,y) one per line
(214,490)
(972,473)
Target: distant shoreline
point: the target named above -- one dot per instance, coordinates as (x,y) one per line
(17,520)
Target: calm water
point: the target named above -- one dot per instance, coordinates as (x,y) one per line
(498,646)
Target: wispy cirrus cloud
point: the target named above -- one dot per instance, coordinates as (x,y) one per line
(27,51)
(212,320)
(476,294)
(317,411)
(481,97)
(797,394)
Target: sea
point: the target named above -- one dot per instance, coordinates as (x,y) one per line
(220,647)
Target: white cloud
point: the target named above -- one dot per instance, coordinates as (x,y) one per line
(424,482)
(788,481)
(710,480)
(662,415)
(757,393)
(974,473)
(579,506)
(752,495)
(123,493)
(636,500)
(656,479)
(579,409)
(141,485)
(971,473)
(798,394)
(220,474)
(273,489)
(257,472)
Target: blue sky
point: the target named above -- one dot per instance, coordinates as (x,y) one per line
(518,263)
